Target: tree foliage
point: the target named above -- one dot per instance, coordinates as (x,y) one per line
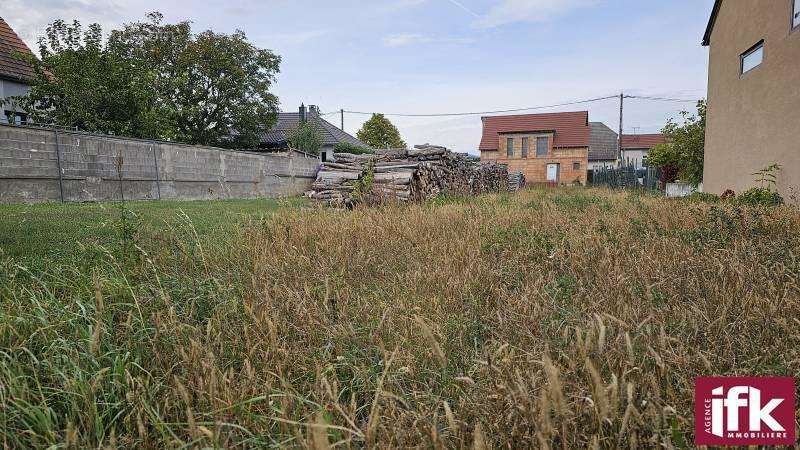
(154,80)
(685,147)
(306,137)
(379,132)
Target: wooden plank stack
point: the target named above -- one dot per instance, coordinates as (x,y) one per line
(405,175)
(516,181)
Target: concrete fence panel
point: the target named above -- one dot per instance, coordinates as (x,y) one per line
(42,165)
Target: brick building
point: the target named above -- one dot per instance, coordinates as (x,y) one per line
(547,148)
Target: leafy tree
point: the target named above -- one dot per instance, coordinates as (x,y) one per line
(155,80)
(379,132)
(79,83)
(685,147)
(306,137)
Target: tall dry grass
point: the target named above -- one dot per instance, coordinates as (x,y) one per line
(549,319)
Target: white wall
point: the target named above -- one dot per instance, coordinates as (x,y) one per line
(634,156)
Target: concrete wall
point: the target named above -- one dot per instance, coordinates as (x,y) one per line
(676,190)
(29,169)
(753,118)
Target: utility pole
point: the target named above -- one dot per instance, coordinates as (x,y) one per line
(619,141)
(342,111)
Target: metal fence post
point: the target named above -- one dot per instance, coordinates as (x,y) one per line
(155,163)
(60,172)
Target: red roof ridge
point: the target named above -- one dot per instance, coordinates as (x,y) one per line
(648,140)
(10,66)
(571,128)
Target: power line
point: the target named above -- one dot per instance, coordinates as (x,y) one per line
(479,113)
(529,108)
(661,99)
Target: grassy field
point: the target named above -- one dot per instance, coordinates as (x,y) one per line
(54,232)
(552,319)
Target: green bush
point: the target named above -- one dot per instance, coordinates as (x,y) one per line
(343,147)
(704,197)
(760,197)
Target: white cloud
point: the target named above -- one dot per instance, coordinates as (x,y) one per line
(403,39)
(510,11)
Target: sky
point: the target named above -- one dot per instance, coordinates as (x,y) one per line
(445,56)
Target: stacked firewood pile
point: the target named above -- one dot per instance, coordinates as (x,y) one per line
(516,181)
(417,174)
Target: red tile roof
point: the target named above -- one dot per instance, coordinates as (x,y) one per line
(571,128)
(11,67)
(647,141)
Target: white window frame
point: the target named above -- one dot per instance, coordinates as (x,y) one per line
(750,52)
(796,14)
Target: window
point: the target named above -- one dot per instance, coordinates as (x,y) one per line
(525,145)
(753,57)
(796,14)
(14,118)
(541,146)
(576,166)
(510,147)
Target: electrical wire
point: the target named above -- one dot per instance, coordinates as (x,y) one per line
(661,99)
(478,113)
(530,108)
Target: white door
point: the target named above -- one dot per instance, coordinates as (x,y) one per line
(552,172)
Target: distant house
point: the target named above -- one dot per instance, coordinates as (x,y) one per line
(547,148)
(277,138)
(603,146)
(753,113)
(15,75)
(636,147)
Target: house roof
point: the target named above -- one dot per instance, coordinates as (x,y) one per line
(711,22)
(11,67)
(571,129)
(603,142)
(287,122)
(642,141)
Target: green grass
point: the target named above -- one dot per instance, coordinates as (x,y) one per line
(44,233)
(553,318)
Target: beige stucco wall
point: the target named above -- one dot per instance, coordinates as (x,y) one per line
(753,119)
